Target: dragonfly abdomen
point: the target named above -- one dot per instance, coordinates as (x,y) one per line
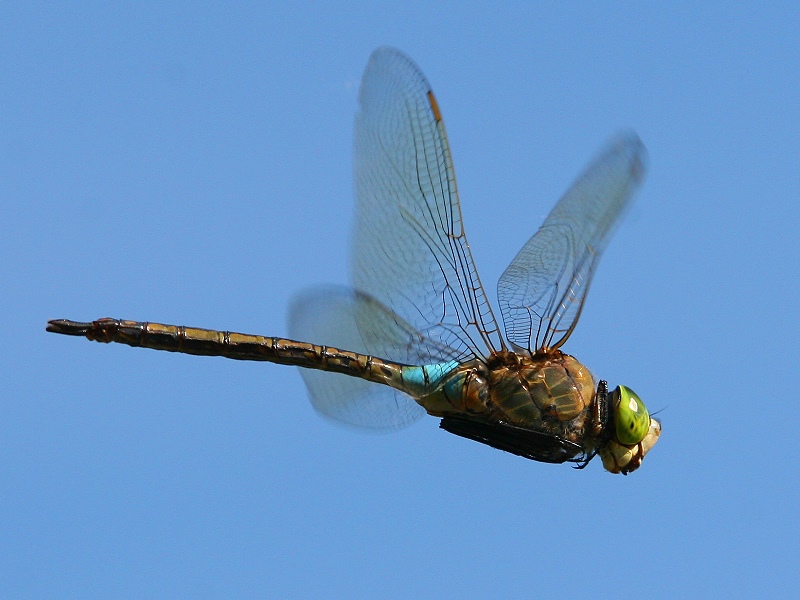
(450,388)
(237,346)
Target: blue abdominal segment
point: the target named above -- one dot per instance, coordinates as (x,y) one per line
(421,381)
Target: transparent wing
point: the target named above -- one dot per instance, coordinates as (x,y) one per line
(336,316)
(409,249)
(542,291)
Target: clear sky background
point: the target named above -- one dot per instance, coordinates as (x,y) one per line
(190,163)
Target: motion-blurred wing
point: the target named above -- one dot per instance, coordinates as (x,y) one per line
(542,291)
(336,316)
(409,248)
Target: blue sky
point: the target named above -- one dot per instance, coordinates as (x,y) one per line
(191,163)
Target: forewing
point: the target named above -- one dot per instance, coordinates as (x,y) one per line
(409,249)
(542,291)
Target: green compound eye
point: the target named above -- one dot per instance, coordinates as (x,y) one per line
(632,418)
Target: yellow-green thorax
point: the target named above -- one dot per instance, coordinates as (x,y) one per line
(549,392)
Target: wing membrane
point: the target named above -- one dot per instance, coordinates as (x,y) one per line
(409,248)
(542,291)
(336,316)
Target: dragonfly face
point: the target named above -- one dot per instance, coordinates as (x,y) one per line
(416,317)
(633,432)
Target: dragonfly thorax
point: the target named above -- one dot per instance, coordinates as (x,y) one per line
(549,391)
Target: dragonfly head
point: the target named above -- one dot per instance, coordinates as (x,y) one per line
(634,432)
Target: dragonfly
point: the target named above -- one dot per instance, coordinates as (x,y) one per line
(415,333)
